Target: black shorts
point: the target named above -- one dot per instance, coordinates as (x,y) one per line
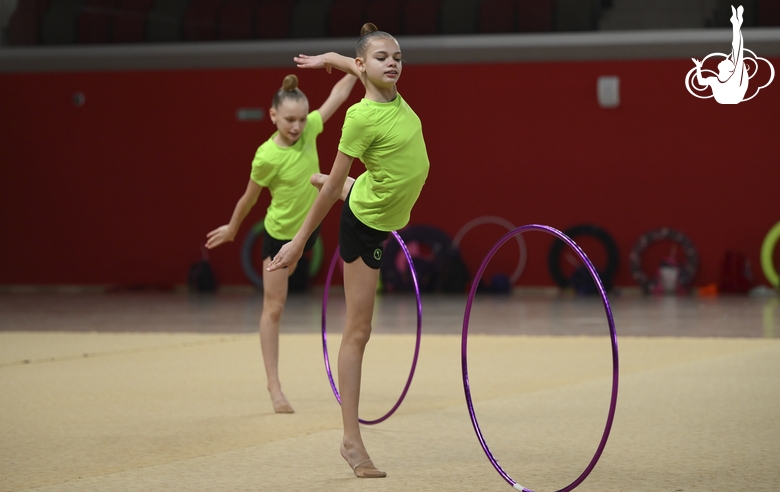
(358,240)
(271,245)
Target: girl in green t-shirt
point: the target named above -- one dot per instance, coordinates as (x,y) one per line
(385,134)
(282,164)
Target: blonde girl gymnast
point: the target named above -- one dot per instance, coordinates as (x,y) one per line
(283,164)
(386,135)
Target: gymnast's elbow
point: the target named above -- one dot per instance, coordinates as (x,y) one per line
(331,191)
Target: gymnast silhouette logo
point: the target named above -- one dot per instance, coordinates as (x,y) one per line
(730,84)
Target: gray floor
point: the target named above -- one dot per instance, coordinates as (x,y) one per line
(521,313)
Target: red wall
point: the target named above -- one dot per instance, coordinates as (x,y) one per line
(123,189)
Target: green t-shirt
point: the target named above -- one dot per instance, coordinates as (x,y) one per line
(387,138)
(285,171)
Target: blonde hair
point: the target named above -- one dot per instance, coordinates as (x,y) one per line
(368,32)
(289,90)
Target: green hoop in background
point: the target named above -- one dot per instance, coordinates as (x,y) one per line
(317,253)
(767,251)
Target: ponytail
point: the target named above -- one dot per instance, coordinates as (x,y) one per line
(289,90)
(368,32)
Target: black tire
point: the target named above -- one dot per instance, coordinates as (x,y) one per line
(580,282)
(454,276)
(428,270)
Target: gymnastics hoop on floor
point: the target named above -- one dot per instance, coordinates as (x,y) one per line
(416,346)
(613,337)
(767,250)
(491,219)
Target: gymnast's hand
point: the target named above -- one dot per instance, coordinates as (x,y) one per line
(219,236)
(317,61)
(287,255)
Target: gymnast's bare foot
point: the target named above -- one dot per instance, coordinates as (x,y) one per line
(357,459)
(280,403)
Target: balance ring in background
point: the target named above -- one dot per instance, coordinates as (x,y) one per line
(613,338)
(687,271)
(249,244)
(490,219)
(613,256)
(416,346)
(767,252)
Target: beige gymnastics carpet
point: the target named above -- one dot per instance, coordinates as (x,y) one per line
(169,412)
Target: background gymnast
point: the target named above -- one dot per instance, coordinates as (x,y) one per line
(283,164)
(386,135)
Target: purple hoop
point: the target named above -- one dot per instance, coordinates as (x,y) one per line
(613,335)
(333,262)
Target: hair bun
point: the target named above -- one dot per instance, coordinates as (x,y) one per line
(367,28)
(290,83)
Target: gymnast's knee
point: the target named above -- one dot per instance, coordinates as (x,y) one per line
(357,334)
